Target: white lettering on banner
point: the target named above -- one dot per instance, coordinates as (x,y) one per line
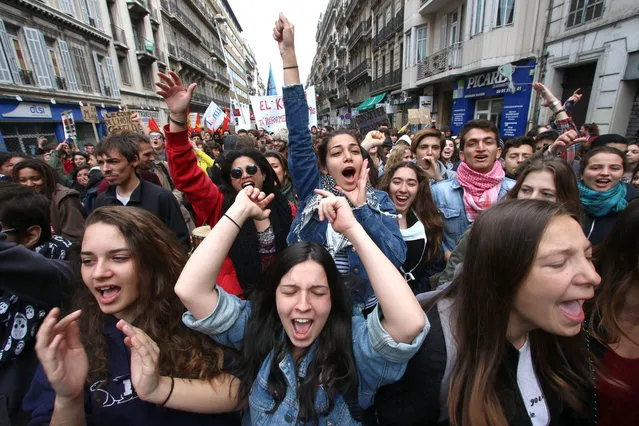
(269,110)
(213,116)
(27,110)
(488,79)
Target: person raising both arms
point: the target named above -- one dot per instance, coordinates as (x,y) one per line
(308,356)
(342,171)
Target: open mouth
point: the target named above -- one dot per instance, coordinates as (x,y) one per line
(481,157)
(573,310)
(249,183)
(108,293)
(302,327)
(401,198)
(349,172)
(602,182)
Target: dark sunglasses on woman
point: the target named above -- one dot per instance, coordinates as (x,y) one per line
(237,172)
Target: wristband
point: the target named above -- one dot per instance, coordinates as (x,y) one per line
(179,123)
(554,103)
(234,222)
(291,67)
(555,113)
(170,392)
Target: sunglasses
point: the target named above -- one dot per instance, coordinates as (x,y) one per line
(7,230)
(237,172)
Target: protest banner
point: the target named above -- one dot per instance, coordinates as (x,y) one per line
(213,117)
(371,120)
(269,111)
(89,114)
(424,116)
(68,124)
(120,121)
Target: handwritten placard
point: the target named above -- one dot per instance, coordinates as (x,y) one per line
(118,122)
(89,114)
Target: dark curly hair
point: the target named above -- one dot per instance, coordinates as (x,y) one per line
(49,180)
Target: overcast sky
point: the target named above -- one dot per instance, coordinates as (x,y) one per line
(257,19)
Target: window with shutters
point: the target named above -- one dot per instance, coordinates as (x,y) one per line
(67,64)
(66,6)
(125,74)
(25,71)
(582,11)
(78,58)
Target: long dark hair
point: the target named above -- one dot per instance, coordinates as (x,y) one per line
(616,261)
(46,171)
(566,189)
(284,163)
(502,245)
(159,261)
(226,164)
(333,366)
(424,206)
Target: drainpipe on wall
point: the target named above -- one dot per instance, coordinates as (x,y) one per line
(542,61)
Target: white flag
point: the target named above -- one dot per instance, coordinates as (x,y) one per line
(213,116)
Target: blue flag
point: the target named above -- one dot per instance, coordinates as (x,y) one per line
(270,86)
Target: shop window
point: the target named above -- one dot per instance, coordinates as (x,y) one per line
(479,7)
(421,42)
(582,11)
(505,12)
(23,137)
(489,109)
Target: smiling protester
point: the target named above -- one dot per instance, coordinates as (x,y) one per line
(479,183)
(342,171)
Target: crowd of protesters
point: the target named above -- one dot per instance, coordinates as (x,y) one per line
(319,276)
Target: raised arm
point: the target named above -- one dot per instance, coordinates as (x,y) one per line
(403,317)
(302,163)
(204,195)
(196,286)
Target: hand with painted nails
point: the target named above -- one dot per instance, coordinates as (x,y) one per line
(62,354)
(177,98)
(145,358)
(357,196)
(337,211)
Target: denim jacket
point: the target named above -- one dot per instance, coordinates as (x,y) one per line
(379,360)
(302,164)
(448,195)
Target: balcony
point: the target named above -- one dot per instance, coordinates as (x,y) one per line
(27,77)
(204,11)
(387,81)
(180,20)
(145,50)
(119,37)
(350,8)
(219,77)
(331,94)
(444,60)
(359,71)
(137,8)
(61,83)
(431,6)
(341,101)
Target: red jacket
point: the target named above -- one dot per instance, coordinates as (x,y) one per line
(204,196)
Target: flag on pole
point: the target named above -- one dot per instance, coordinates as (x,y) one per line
(214,117)
(198,124)
(153,126)
(270,86)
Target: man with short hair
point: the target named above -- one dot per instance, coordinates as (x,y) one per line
(89,148)
(427,146)
(242,132)
(118,156)
(516,151)
(157,142)
(196,138)
(280,141)
(479,183)
(612,140)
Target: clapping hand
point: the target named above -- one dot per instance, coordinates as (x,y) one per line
(62,355)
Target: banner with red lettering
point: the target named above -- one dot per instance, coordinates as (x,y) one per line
(269,110)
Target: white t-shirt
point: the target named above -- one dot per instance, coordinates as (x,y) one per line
(529,388)
(123,200)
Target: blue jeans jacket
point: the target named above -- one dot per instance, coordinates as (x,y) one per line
(449,197)
(302,165)
(379,360)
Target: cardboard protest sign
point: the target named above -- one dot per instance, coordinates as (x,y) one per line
(89,114)
(120,121)
(269,111)
(424,116)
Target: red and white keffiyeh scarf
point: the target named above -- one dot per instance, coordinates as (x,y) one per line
(481,190)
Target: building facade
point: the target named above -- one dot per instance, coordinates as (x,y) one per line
(466,59)
(594,46)
(59,55)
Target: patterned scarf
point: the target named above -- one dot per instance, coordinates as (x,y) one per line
(339,242)
(481,190)
(598,204)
